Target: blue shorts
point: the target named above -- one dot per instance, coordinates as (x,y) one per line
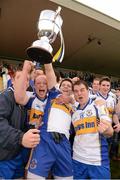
(50,156)
(14,168)
(86,171)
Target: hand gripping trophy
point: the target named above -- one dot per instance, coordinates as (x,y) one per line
(49,25)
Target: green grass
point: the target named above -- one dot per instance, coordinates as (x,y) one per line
(115,169)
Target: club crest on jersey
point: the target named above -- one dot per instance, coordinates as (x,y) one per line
(37,106)
(82,115)
(89,112)
(33,164)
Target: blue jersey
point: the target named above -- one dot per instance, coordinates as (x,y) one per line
(52,94)
(49,155)
(36,108)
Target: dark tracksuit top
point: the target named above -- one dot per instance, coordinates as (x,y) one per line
(12,127)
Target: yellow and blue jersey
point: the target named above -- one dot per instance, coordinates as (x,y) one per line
(110,103)
(57,117)
(89,146)
(36,108)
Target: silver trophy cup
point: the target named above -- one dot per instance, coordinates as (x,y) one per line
(49,25)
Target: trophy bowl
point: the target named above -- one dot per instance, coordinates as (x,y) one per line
(40,51)
(39,55)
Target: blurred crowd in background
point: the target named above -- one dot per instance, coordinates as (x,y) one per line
(7,71)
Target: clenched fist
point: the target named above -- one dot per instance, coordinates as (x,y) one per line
(31,138)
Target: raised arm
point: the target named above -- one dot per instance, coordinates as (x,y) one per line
(51,78)
(22,83)
(104,125)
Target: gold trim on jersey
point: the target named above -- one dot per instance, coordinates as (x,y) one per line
(35,116)
(86,125)
(65,107)
(110,111)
